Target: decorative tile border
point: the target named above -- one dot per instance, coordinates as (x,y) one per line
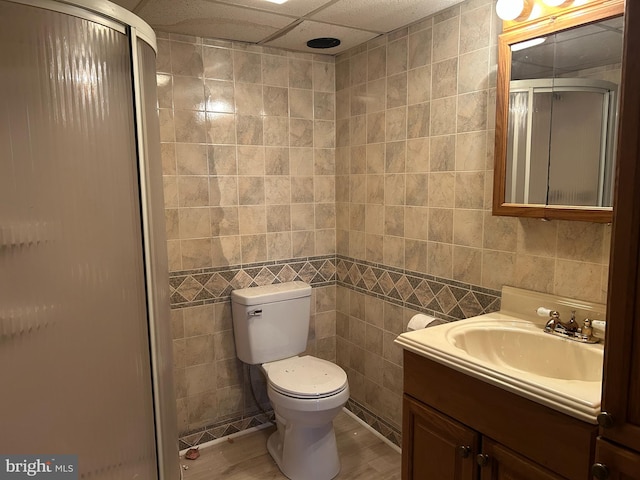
(213,285)
(381,426)
(222,429)
(446,299)
(439,297)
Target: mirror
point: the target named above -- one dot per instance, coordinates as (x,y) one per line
(557,112)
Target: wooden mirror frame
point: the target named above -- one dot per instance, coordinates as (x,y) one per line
(552,21)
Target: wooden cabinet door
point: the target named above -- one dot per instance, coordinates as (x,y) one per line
(503,464)
(436,447)
(616,463)
(621,398)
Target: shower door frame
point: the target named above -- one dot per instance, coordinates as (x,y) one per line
(117,18)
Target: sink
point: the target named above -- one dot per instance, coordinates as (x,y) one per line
(518,347)
(516,355)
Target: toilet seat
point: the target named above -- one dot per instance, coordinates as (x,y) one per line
(305,377)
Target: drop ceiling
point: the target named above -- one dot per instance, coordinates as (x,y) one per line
(286,25)
(594,45)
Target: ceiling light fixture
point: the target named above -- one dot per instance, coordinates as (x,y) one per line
(510,9)
(279,2)
(554,3)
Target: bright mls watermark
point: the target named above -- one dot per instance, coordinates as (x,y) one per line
(49,467)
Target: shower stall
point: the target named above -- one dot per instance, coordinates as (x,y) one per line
(85,349)
(561,141)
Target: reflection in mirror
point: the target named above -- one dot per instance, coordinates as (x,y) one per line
(563,99)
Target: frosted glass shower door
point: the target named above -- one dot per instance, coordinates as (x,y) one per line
(578,153)
(74,339)
(560,147)
(528,147)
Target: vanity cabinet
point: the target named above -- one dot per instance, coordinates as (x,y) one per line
(615,463)
(451,446)
(619,444)
(456,427)
(439,447)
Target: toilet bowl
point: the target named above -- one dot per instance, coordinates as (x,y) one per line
(271,325)
(304,444)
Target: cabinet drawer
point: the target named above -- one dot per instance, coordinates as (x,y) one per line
(621,463)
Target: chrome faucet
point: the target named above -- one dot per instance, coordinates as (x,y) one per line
(571,325)
(570,329)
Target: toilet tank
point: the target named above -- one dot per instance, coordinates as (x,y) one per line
(271,322)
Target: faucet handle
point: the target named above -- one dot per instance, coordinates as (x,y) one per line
(553,315)
(587,329)
(547,312)
(598,327)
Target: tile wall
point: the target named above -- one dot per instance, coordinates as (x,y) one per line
(248,152)
(414,165)
(368,175)
(213,391)
(248,139)
(415,121)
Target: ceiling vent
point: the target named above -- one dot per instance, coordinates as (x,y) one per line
(323,42)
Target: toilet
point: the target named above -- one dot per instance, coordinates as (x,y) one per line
(271,326)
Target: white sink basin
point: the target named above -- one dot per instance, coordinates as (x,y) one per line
(517,347)
(516,355)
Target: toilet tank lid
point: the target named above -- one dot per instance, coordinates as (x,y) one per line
(277,292)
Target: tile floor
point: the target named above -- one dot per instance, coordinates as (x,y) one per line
(363,456)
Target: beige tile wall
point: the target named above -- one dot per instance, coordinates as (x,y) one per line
(249,172)
(385,156)
(248,139)
(366,328)
(414,169)
(414,165)
(212,386)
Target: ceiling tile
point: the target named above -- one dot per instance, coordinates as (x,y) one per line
(207,19)
(290,7)
(380,15)
(254,21)
(296,39)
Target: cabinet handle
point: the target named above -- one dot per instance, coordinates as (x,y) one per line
(482,459)
(464,451)
(600,471)
(605,420)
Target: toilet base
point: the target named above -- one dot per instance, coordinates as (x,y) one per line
(305,453)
